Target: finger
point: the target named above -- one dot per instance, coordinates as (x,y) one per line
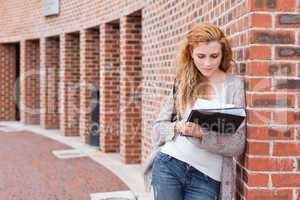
(187,124)
(191,123)
(192,131)
(187,131)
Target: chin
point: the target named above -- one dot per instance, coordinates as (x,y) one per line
(207,75)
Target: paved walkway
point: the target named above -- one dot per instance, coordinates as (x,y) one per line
(30,171)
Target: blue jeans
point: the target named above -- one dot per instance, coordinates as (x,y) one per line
(173,179)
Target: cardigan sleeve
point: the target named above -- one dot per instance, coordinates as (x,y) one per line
(228,145)
(163,129)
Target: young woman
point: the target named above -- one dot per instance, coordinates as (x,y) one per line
(190,162)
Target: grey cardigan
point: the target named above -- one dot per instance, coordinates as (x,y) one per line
(227,145)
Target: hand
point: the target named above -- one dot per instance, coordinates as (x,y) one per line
(190,129)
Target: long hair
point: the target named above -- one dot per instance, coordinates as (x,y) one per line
(190,82)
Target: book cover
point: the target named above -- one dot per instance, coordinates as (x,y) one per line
(221,120)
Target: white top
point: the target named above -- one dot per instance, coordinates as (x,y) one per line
(186,148)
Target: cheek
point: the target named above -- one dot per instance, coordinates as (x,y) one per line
(216,62)
(198,63)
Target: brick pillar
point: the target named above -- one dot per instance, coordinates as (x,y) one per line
(7,82)
(30,82)
(69,84)
(130,88)
(89,77)
(271,168)
(49,82)
(109,87)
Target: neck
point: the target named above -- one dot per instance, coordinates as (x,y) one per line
(217,77)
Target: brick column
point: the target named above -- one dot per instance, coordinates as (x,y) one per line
(109,87)
(30,82)
(7,82)
(69,84)
(271,168)
(130,88)
(89,77)
(49,82)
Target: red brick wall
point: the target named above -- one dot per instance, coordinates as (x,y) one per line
(131,88)
(89,76)
(271,169)
(69,83)
(7,81)
(30,82)
(74,15)
(110,87)
(49,82)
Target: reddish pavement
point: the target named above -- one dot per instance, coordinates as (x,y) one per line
(29,171)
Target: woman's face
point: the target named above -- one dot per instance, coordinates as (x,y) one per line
(207,57)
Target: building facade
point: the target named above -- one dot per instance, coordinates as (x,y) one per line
(50,64)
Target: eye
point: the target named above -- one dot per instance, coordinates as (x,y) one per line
(214,55)
(201,56)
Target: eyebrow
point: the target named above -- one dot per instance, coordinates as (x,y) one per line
(205,54)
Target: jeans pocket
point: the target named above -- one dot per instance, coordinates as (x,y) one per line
(160,168)
(164,157)
(160,163)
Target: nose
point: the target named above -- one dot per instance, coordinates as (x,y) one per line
(207,62)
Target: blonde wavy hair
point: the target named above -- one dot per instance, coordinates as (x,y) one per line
(190,83)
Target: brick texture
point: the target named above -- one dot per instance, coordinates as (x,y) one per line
(30,82)
(7,81)
(69,84)
(110,87)
(130,87)
(272,83)
(89,77)
(49,82)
